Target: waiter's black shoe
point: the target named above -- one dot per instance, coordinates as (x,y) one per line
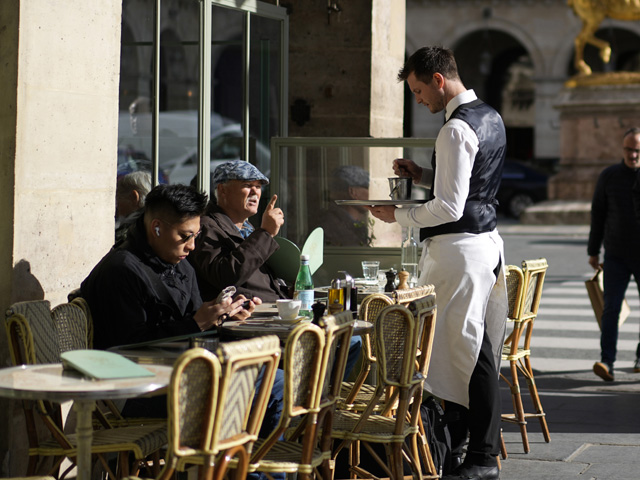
(456,461)
(474,472)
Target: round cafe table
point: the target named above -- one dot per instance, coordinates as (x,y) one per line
(269,326)
(51,382)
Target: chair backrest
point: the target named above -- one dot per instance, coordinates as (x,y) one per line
(396,344)
(534,273)
(372,305)
(32,333)
(239,417)
(39,335)
(424,311)
(515,291)
(524,291)
(338,331)
(72,327)
(191,403)
(303,355)
(410,294)
(84,305)
(396,351)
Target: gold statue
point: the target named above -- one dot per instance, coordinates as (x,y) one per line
(592,12)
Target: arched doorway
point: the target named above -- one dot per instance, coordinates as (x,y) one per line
(500,70)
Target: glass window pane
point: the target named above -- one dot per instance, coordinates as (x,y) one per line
(134,123)
(178,96)
(265,89)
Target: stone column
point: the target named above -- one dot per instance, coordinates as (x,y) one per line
(58,142)
(342,80)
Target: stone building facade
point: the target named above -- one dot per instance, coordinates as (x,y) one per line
(517,55)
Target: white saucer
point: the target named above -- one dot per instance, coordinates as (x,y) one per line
(288,320)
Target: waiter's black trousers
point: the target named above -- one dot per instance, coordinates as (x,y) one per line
(482,419)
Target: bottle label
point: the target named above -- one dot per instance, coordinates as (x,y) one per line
(307,297)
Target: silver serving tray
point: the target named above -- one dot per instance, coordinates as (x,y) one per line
(379,202)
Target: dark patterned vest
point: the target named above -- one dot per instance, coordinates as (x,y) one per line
(479,213)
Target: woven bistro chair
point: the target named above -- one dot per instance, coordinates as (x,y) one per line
(240,409)
(424,311)
(192,401)
(524,289)
(396,349)
(338,331)
(350,397)
(356,395)
(107,414)
(303,366)
(38,335)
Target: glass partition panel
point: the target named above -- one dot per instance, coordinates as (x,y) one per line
(327,182)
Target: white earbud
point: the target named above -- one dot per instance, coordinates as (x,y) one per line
(157,231)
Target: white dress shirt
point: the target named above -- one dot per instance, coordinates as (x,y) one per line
(456,148)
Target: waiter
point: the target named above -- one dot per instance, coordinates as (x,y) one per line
(462,256)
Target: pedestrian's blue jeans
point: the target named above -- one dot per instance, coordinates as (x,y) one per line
(617,274)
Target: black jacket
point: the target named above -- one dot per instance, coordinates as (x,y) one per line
(223,258)
(134,296)
(613,221)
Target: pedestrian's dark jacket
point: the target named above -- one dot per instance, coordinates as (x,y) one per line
(223,258)
(613,220)
(134,296)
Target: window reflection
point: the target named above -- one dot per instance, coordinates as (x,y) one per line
(179,93)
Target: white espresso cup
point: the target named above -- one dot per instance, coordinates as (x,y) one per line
(288,309)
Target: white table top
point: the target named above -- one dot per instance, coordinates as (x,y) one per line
(50,382)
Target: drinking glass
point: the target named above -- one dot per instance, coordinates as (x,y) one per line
(370,270)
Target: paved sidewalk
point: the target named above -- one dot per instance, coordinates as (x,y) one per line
(594,427)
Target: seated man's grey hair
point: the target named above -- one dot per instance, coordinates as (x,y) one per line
(138,181)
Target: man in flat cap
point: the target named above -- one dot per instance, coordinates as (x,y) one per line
(231,251)
(345,225)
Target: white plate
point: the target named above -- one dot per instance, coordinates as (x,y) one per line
(285,320)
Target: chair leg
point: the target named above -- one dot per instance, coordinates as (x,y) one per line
(396,461)
(518,408)
(537,404)
(354,458)
(425,451)
(503,447)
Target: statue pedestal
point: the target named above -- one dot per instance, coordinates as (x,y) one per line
(592,121)
(594,115)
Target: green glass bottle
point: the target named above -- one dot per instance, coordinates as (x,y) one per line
(304,287)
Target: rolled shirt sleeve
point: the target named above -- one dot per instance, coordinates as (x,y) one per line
(456,147)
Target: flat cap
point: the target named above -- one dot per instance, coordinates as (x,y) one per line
(237,170)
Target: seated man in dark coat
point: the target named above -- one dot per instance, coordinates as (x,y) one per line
(230,250)
(143,290)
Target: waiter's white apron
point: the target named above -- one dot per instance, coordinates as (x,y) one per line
(461,266)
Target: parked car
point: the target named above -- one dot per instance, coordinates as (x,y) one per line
(130,160)
(520,187)
(226,144)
